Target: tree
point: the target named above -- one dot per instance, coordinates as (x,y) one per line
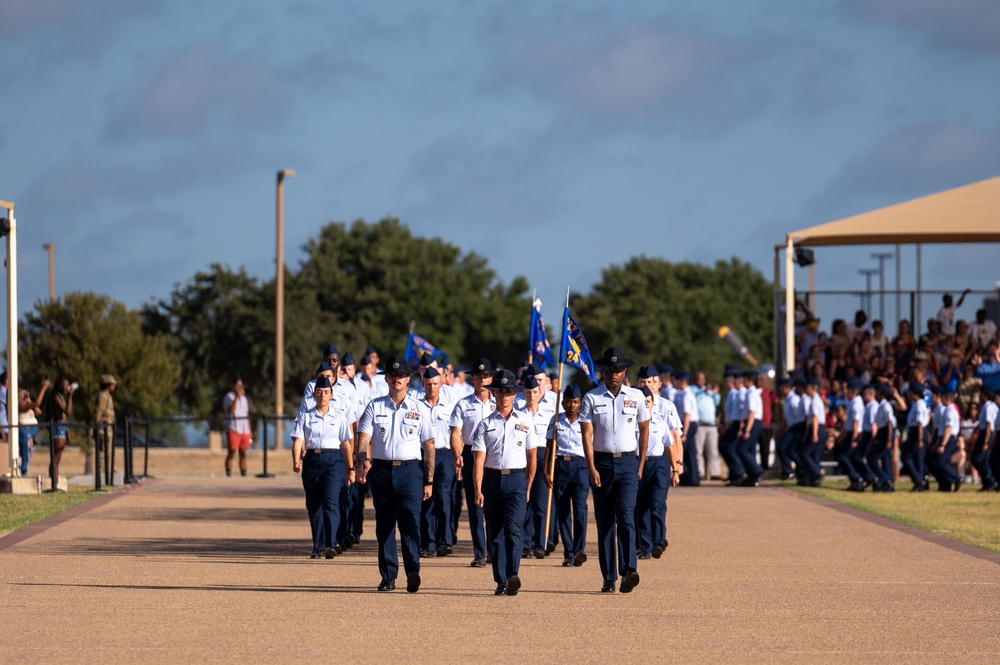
(218,325)
(366,283)
(659,311)
(84,335)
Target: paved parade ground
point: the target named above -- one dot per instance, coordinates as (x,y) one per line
(217,570)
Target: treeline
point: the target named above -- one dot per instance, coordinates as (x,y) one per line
(362,284)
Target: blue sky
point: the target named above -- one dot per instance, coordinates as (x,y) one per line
(555,138)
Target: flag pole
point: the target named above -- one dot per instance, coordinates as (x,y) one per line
(531,331)
(550,453)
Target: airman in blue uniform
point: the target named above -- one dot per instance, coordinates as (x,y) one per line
(570,484)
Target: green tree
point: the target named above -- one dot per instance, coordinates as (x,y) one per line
(218,325)
(365,283)
(659,311)
(84,335)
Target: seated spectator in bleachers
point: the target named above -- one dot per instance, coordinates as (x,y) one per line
(857,329)
(962,340)
(951,374)
(989,370)
(807,339)
(863,355)
(969,388)
(839,339)
(818,371)
(880,343)
(905,336)
(982,329)
(839,362)
(932,335)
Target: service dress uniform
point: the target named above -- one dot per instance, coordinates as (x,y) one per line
(947,434)
(728,438)
(324,471)
(651,497)
(985,442)
(751,403)
(571,485)
(612,419)
(506,444)
(465,417)
(397,478)
(914,448)
(534,516)
(851,437)
(795,418)
(885,422)
(437,534)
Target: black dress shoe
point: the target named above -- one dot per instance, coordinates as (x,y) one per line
(315,554)
(513,585)
(527,552)
(644,556)
(736,480)
(501,590)
(567,562)
(550,548)
(427,553)
(539,554)
(444,550)
(580,559)
(665,543)
(751,481)
(489,558)
(346,543)
(657,551)
(412,582)
(609,586)
(387,585)
(329,553)
(355,538)
(630,580)
(478,563)
(338,549)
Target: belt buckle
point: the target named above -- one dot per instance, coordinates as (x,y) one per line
(616,454)
(504,472)
(396,462)
(565,458)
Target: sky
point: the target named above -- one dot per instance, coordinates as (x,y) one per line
(142,137)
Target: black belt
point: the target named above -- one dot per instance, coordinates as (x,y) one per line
(394,462)
(505,472)
(701,424)
(615,455)
(322,450)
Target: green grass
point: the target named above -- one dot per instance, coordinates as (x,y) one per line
(969,516)
(18,510)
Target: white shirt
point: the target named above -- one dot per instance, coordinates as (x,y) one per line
(547,405)
(855,413)
(946,316)
(440,415)
(918,414)
(988,414)
(379,387)
(345,400)
(815,407)
(732,409)
(667,391)
(686,404)
(541,419)
(949,418)
(4,421)
(506,441)
(885,414)
(614,418)
(569,440)
(869,417)
(396,432)
(937,419)
(741,403)
(469,412)
(322,431)
(239,420)
(755,404)
(983,332)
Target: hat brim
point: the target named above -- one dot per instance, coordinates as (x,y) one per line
(483,373)
(614,367)
(396,372)
(497,387)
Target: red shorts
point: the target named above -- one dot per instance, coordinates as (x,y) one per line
(237,441)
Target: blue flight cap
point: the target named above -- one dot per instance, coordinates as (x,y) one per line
(733,368)
(426,360)
(323,382)
(330,349)
(854,383)
(370,351)
(572,391)
(530,382)
(431,372)
(751,374)
(347,360)
(646,391)
(664,368)
(648,372)
(799,382)
(782,382)
(682,375)
(916,389)
(366,361)
(813,382)
(534,369)
(324,367)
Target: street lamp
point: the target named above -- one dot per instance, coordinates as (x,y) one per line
(279,309)
(51,247)
(881,256)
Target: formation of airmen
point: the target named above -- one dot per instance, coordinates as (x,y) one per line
(502,441)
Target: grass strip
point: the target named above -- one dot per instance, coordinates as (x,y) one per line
(20,510)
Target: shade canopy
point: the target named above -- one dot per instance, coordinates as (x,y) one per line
(970,213)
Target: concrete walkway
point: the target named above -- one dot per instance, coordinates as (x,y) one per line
(216,570)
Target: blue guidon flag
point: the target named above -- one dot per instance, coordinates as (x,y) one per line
(574,350)
(417,346)
(541,352)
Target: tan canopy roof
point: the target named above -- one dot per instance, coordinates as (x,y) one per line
(965,214)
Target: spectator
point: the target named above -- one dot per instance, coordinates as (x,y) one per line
(4,422)
(930,337)
(989,370)
(962,341)
(982,330)
(60,409)
(238,428)
(969,388)
(905,336)
(27,423)
(104,415)
(857,329)
(839,362)
(946,315)
(839,339)
(951,373)
(808,338)
(880,343)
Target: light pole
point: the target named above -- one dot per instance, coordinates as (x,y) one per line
(279,309)
(881,256)
(868,272)
(51,247)
(8,228)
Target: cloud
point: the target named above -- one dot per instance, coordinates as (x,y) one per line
(914,161)
(187,92)
(82,182)
(966,25)
(592,70)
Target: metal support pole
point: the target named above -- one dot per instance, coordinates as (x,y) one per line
(145,461)
(53,479)
(898,295)
(12,369)
(918,318)
(779,361)
(264,473)
(127,452)
(789,305)
(881,256)
(97,459)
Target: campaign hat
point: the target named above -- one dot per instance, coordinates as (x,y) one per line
(504,379)
(481,367)
(614,359)
(396,366)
